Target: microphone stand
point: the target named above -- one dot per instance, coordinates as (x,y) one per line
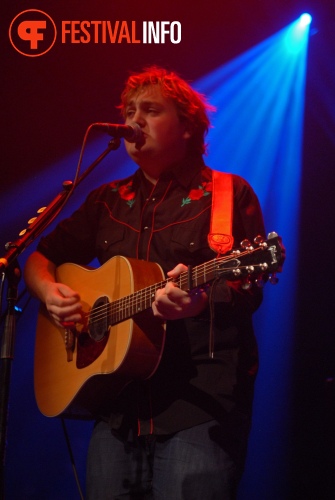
(10,269)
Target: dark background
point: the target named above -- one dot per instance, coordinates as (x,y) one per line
(47,104)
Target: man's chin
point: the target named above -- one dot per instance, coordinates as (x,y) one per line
(139,150)
(136,148)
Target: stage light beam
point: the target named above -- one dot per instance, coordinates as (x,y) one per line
(257,133)
(305,20)
(297,34)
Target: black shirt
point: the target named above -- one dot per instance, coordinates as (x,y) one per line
(168,223)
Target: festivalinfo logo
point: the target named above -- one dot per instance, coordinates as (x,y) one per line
(33,32)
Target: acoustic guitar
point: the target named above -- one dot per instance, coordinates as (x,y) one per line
(78,370)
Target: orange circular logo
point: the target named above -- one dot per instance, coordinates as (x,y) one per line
(32,33)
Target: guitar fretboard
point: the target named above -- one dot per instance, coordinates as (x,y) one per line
(126,307)
(245,262)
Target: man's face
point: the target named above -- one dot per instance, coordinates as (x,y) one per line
(164,135)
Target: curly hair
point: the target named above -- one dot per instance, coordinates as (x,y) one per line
(191,106)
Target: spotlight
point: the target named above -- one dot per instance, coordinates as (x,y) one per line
(297,34)
(305,19)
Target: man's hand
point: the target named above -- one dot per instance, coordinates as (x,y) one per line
(173,303)
(63,304)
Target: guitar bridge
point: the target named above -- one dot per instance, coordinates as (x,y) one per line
(70,342)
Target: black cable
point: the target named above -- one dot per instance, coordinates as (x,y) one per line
(72,459)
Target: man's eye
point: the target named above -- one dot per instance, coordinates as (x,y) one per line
(130,112)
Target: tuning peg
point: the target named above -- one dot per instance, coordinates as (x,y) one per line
(259,240)
(273,279)
(246,245)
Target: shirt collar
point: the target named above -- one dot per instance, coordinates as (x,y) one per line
(184,172)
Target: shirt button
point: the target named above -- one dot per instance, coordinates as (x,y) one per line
(153,199)
(192,244)
(145,228)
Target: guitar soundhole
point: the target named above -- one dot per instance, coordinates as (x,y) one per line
(99,323)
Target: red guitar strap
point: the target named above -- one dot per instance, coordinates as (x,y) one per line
(220,237)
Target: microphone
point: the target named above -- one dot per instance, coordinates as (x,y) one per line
(131,133)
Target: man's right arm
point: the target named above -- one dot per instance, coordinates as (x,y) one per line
(62,303)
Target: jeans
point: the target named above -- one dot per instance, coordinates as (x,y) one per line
(188,465)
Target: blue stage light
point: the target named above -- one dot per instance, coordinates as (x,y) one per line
(305,20)
(257,133)
(297,33)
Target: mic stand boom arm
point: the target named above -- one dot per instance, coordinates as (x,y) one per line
(9,268)
(49,213)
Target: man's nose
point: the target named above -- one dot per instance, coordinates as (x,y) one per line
(139,118)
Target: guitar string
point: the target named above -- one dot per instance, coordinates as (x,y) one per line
(114,306)
(129,302)
(132,301)
(123,308)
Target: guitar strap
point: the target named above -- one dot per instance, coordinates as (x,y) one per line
(220,237)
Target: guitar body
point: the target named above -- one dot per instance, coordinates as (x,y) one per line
(82,380)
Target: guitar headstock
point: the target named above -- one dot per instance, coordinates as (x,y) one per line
(254,262)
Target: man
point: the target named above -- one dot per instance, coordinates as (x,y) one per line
(183,433)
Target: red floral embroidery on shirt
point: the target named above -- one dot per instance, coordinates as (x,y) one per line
(196,194)
(125,191)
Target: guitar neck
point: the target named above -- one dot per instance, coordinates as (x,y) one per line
(126,307)
(249,262)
